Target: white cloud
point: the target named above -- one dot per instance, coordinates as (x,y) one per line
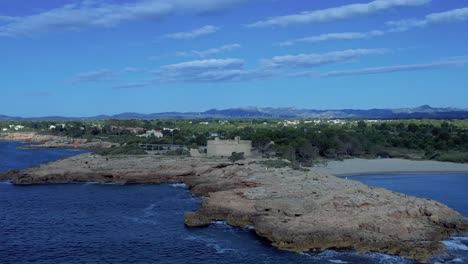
(95,76)
(201,65)
(446,63)
(211,70)
(89,14)
(333,36)
(336,13)
(313,60)
(217,70)
(131,69)
(455,15)
(198,70)
(6,19)
(205,30)
(132,85)
(209,52)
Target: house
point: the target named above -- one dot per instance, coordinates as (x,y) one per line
(52,127)
(135,130)
(5,129)
(214,134)
(155,133)
(18,127)
(170,129)
(225,148)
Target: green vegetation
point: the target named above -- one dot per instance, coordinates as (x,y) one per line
(131,149)
(236,156)
(302,142)
(275,163)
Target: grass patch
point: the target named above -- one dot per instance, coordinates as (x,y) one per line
(131,149)
(454,156)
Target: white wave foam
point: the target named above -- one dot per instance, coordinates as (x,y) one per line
(387,259)
(6,182)
(219,249)
(210,242)
(328,254)
(178,185)
(455,245)
(149,211)
(91,183)
(457,260)
(142,220)
(338,261)
(219,223)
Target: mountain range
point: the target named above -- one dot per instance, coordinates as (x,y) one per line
(424,111)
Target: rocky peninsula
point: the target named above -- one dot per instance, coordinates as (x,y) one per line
(296,210)
(39,141)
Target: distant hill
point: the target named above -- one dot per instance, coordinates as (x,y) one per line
(424,111)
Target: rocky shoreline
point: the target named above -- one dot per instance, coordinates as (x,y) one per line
(39,141)
(295,210)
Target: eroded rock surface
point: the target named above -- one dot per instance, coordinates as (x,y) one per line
(295,210)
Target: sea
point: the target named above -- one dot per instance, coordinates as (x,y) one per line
(144,223)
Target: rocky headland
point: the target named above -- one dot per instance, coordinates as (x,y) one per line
(295,210)
(39,141)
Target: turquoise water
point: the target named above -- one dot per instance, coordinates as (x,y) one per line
(107,223)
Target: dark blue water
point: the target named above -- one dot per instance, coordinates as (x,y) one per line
(449,189)
(12,158)
(105,223)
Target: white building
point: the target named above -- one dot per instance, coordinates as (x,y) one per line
(155,133)
(225,148)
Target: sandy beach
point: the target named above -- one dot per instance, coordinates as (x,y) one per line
(374,166)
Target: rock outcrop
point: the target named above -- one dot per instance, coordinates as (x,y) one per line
(51,141)
(295,210)
(28,137)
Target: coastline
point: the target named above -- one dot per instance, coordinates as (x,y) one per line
(356,167)
(284,205)
(38,141)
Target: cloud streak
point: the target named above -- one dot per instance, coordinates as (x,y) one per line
(211,71)
(333,36)
(447,63)
(336,13)
(210,52)
(94,14)
(314,60)
(232,70)
(95,76)
(196,33)
(454,15)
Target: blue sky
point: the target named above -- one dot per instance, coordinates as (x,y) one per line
(89,57)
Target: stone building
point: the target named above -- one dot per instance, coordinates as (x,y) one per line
(225,148)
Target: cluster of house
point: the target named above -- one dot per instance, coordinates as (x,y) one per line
(53,127)
(324,121)
(157,133)
(222,122)
(13,127)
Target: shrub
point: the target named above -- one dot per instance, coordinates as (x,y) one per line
(459,157)
(130,149)
(275,163)
(178,152)
(236,156)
